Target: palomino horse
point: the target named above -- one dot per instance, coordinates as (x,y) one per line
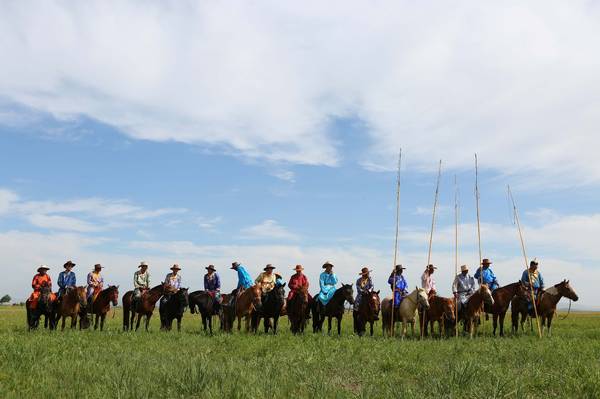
(334,308)
(245,303)
(272,303)
(368,312)
(546,306)
(101,304)
(441,310)
(173,309)
(474,308)
(502,299)
(296,310)
(145,307)
(206,307)
(45,307)
(406,312)
(71,304)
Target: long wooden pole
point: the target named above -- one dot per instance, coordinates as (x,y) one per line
(516,213)
(435,203)
(478,227)
(396,239)
(456,250)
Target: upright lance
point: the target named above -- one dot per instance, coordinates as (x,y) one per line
(396,240)
(518,223)
(478,226)
(456,249)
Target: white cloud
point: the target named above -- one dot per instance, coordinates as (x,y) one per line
(208,223)
(516,83)
(56,222)
(285,175)
(269,229)
(7,199)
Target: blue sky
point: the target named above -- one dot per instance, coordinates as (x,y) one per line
(255,141)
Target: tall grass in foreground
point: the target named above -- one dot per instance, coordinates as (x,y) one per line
(191,364)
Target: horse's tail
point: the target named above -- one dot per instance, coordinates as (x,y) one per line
(126,301)
(192,303)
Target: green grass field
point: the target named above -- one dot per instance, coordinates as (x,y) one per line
(95,364)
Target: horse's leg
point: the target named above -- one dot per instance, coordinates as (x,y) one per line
(472,326)
(102,317)
(179,324)
(148,317)
(239,323)
(494,323)
(549,324)
(96,322)
(73,321)
(501,320)
(371,323)
(328,324)
(62,326)
(339,325)
(275,321)
(210,324)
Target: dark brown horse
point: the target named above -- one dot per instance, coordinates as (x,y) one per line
(245,303)
(173,309)
(296,310)
(145,307)
(72,303)
(227,312)
(205,304)
(45,307)
(101,304)
(272,303)
(474,308)
(546,306)
(368,312)
(502,299)
(442,311)
(334,308)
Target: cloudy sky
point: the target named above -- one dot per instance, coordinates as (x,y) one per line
(268,132)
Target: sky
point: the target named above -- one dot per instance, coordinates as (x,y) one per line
(204,133)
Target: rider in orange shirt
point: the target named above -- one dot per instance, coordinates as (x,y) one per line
(40,280)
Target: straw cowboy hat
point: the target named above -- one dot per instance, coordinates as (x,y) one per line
(42,267)
(464,268)
(69,263)
(175,267)
(364,270)
(269,267)
(211,267)
(486,261)
(327,264)
(98,266)
(298,268)
(143,264)
(234,265)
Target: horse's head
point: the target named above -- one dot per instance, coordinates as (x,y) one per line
(448,309)
(486,294)
(374,302)
(256,295)
(183,298)
(303,294)
(81,296)
(45,301)
(422,298)
(522,291)
(348,293)
(280,292)
(565,289)
(113,294)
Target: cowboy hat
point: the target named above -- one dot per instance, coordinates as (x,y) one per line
(143,264)
(534,262)
(175,267)
(399,268)
(298,268)
(486,261)
(269,267)
(430,266)
(42,267)
(464,268)
(364,271)
(327,264)
(98,266)
(234,265)
(211,267)
(69,263)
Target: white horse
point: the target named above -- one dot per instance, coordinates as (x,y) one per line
(407,312)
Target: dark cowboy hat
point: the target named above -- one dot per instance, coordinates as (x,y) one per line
(98,266)
(327,264)
(430,266)
(399,268)
(234,265)
(298,268)
(211,267)
(534,262)
(143,264)
(364,271)
(69,263)
(42,267)
(175,267)
(269,267)
(486,261)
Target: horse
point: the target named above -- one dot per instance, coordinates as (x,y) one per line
(173,308)
(45,307)
(474,307)
(367,312)
(272,303)
(72,303)
(546,306)
(206,307)
(101,305)
(502,299)
(334,308)
(227,312)
(406,312)
(296,310)
(144,307)
(248,300)
(441,310)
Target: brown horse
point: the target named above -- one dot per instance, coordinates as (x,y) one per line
(45,307)
(368,312)
(474,307)
(245,303)
(502,299)
(441,310)
(101,304)
(145,307)
(71,304)
(546,306)
(297,308)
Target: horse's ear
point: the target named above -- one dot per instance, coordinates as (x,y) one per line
(377,292)
(284,285)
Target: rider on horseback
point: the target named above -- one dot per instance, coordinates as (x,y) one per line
(141,283)
(66,279)
(364,284)
(95,284)
(40,280)
(327,282)
(463,287)
(485,275)
(212,285)
(400,286)
(536,280)
(172,283)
